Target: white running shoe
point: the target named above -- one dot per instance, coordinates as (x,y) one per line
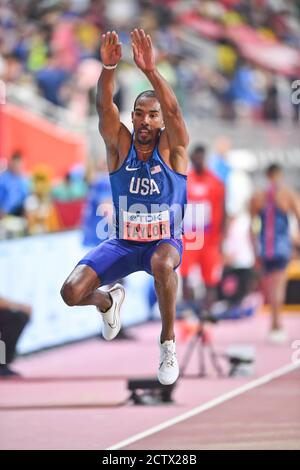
(168,370)
(111,318)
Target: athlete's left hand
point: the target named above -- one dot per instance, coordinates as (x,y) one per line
(143,51)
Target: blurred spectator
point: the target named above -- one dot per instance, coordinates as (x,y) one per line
(273,206)
(227,57)
(98,210)
(11,68)
(64,43)
(48,40)
(238,245)
(69,198)
(70,189)
(82,101)
(38,52)
(218,163)
(13,187)
(13,319)
(39,210)
(239,188)
(271,110)
(121,14)
(50,80)
(244,90)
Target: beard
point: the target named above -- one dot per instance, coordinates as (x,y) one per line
(144,138)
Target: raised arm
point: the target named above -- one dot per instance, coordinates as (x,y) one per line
(176,131)
(109,118)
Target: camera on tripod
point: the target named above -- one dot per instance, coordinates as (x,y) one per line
(237,298)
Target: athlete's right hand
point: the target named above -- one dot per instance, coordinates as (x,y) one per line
(111,50)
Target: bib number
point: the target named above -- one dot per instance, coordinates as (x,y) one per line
(146,227)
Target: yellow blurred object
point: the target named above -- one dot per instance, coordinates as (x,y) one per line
(88,35)
(226,58)
(37,57)
(40,212)
(256,225)
(167,72)
(232,18)
(292,301)
(41,180)
(267,33)
(43,220)
(293,270)
(42,169)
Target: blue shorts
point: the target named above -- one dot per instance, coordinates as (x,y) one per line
(116,258)
(275,264)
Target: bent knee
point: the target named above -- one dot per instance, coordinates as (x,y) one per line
(71,293)
(81,282)
(161,267)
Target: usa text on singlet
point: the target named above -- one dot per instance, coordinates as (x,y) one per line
(149,199)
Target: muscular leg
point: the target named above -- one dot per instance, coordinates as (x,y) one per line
(275,288)
(81,288)
(163,261)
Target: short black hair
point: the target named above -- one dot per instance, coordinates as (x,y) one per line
(199,148)
(146,94)
(273,168)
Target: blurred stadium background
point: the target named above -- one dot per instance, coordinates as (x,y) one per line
(233,65)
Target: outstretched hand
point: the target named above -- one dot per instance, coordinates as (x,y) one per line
(111,50)
(143,51)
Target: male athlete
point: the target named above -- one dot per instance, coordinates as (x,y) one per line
(273,205)
(148,180)
(206,189)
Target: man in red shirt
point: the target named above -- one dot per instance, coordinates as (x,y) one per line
(208,192)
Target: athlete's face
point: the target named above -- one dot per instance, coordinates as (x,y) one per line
(276,177)
(198,161)
(147,120)
(15,166)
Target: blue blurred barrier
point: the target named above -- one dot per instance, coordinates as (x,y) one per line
(32,270)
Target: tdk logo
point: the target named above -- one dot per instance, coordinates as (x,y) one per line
(146,218)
